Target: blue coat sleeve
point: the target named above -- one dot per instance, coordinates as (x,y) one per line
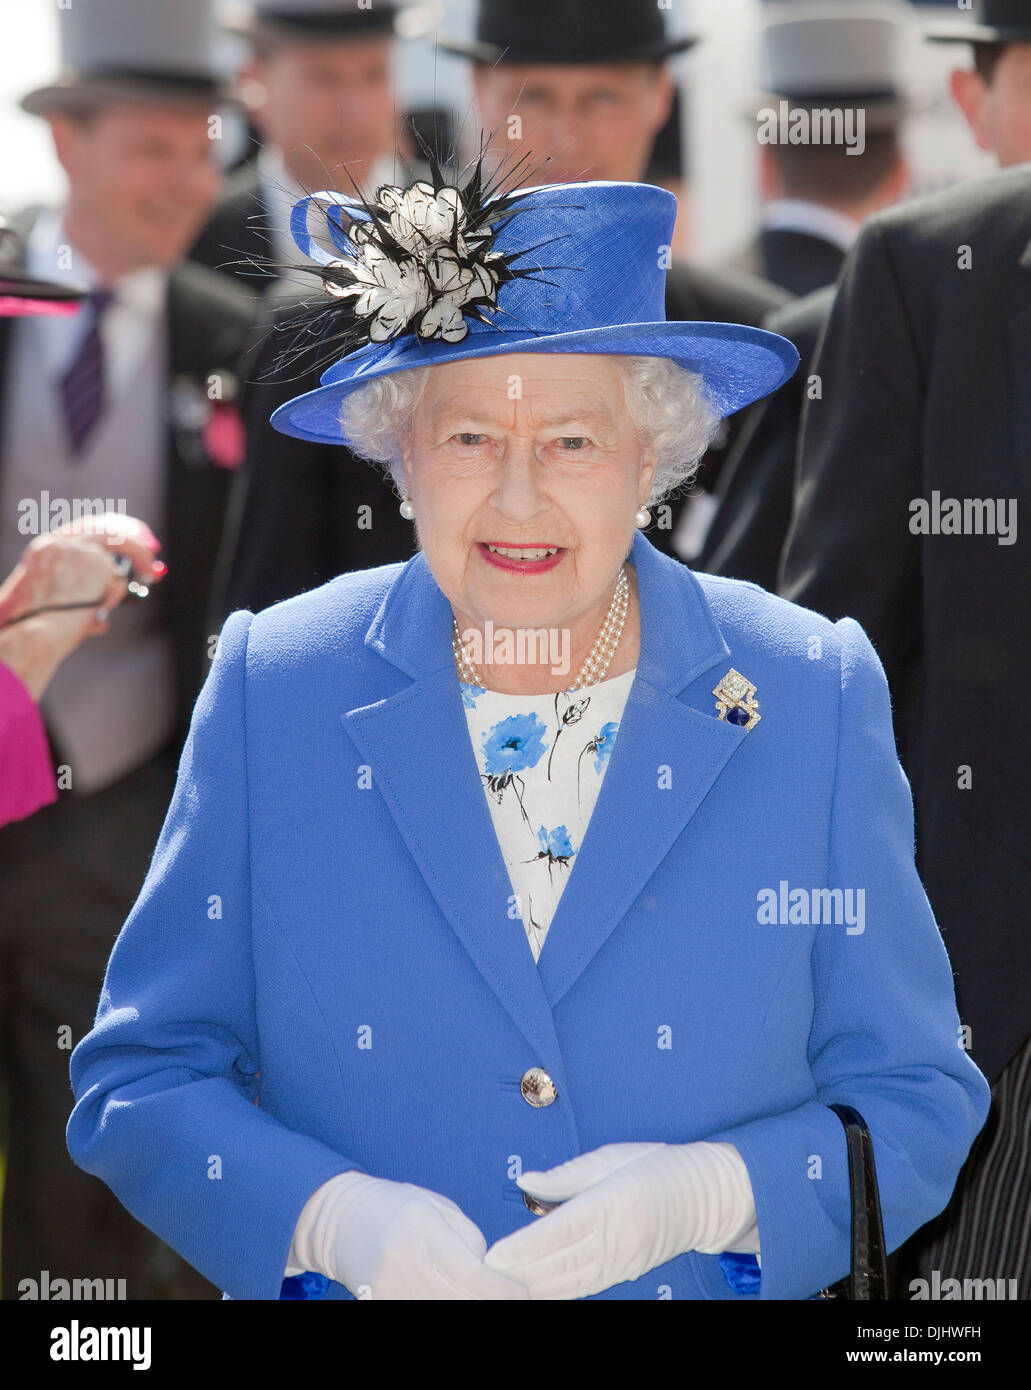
(885,1032)
(165,1083)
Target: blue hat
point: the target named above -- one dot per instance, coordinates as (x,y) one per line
(433,274)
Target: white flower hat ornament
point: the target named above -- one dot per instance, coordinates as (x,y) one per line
(419,265)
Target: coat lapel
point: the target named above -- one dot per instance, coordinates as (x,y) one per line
(417,744)
(418,747)
(635,822)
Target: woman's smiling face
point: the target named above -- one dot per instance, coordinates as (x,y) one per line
(526,451)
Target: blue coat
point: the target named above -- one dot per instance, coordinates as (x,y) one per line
(322,973)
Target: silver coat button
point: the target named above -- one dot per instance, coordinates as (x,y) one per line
(537,1087)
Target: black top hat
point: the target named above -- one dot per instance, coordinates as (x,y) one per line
(567,31)
(995,21)
(314,19)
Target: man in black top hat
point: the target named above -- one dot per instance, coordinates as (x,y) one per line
(128,404)
(319,83)
(995,95)
(322,71)
(588,88)
(581,91)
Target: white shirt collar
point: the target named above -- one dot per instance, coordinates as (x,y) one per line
(142,291)
(279,191)
(276,177)
(798,215)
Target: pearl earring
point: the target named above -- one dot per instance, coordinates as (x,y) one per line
(407,510)
(642,516)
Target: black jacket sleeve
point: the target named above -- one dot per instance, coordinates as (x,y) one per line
(849,551)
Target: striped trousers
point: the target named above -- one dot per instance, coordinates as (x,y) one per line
(985,1231)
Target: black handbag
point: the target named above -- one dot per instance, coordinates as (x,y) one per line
(868,1276)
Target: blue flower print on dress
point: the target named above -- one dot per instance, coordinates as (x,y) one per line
(572,714)
(603,744)
(514,743)
(470,694)
(510,746)
(555,847)
(556,842)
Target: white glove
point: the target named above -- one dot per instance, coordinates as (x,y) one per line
(627,1208)
(385,1240)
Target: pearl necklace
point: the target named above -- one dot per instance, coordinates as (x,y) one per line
(599,658)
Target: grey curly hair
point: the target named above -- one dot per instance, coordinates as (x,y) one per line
(668,405)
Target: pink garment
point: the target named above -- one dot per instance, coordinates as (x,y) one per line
(26,775)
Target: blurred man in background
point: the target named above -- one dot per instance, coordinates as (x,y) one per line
(812,56)
(128,404)
(320,79)
(816,195)
(319,84)
(748,532)
(995,94)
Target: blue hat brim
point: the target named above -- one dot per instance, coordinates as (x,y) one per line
(738,365)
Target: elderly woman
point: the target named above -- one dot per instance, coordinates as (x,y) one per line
(521,910)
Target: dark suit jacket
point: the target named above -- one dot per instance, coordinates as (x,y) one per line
(295,520)
(926,370)
(237,230)
(757,483)
(796,261)
(208,320)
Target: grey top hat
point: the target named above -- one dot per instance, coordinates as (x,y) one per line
(125,50)
(818,54)
(314,19)
(995,21)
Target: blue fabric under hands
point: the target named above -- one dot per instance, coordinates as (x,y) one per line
(306,1285)
(741,1272)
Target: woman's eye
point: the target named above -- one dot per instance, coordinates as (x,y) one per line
(573,442)
(471,439)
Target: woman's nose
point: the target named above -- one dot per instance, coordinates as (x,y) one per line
(518,496)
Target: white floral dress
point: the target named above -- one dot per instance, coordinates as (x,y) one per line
(542,759)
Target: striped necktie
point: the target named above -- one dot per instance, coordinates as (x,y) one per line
(82,386)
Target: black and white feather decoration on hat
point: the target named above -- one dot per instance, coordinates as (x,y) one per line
(416,259)
(422,261)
